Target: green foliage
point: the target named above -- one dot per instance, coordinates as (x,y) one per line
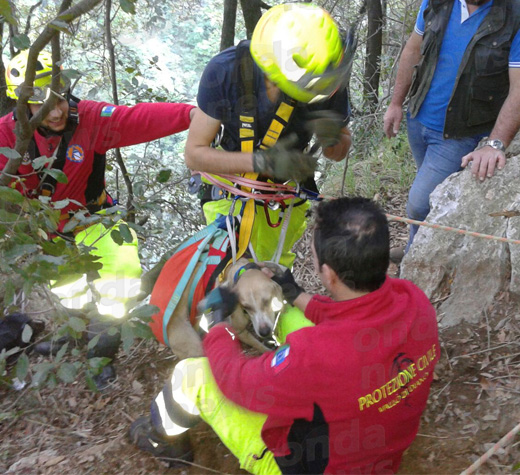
(9,152)
(7,12)
(377,168)
(128,6)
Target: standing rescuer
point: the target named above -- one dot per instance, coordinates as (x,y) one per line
(265,99)
(460,69)
(76,135)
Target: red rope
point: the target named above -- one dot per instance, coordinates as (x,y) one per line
(283,192)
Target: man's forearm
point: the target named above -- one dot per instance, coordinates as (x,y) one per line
(508,121)
(211,160)
(409,58)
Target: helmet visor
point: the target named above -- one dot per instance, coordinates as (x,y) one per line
(324,85)
(40,93)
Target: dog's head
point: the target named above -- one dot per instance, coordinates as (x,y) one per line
(260,297)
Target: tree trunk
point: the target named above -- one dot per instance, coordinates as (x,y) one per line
(227,38)
(252,11)
(373,54)
(6,103)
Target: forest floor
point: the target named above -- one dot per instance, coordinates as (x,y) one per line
(473,403)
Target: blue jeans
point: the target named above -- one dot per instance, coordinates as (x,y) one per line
(436,159)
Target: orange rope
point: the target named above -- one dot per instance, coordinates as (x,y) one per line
(492,451)
(391,217)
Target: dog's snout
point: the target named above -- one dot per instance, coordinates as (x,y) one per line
(264,331)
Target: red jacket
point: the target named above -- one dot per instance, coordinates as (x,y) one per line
(367,366)
(101,127)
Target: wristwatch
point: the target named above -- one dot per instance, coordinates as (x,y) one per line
(497,144)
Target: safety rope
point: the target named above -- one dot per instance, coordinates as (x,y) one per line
(392,217)
(493,450)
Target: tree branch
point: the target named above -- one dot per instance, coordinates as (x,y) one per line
(28,23)
(113,78)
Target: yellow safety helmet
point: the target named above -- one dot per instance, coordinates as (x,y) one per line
(299,48)
(15,76)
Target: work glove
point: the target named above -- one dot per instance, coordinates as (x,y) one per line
(291,290)
(284,162)
(326,126)
(219,304)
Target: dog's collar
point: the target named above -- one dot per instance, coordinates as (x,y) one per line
(239,272)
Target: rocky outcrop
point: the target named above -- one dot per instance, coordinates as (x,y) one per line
(465,272)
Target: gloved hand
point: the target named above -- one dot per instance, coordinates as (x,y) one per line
(216,307)
(291,290)
(326,126)
(284,162)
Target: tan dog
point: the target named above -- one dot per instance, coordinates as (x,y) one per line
(260,301)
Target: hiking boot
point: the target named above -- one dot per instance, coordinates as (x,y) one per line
(175,451)
(397,254)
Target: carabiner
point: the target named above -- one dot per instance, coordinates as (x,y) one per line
(280,216)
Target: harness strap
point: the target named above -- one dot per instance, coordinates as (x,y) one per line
(202,234)
(176,296)
(246,225)
(279,122)
(244,72)
(47,185)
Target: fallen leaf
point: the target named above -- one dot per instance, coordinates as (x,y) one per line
(54,461)
(505,213)
(137,387)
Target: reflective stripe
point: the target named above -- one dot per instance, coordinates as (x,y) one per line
(177,411)
(169,427)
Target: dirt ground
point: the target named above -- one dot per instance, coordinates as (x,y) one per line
(473,403)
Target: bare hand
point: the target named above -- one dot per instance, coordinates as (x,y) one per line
(485,160)
(392,120)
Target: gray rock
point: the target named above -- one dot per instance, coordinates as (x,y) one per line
(514,146)
(468,272)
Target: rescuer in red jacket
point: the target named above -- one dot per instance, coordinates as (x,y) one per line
(343,394)
(76,135)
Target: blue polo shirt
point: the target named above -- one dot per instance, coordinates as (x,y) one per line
(461,28)
(218,97)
